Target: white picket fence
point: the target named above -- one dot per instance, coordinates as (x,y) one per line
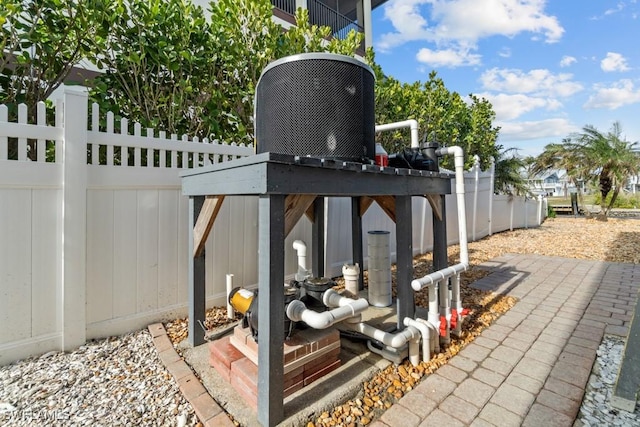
(93,245)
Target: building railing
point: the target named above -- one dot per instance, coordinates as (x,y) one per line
(321,14)
(288,6)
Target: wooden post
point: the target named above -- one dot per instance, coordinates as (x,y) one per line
(197,310)
(270,309)
(317,260)
(404,260)
(356,238)
(440,236)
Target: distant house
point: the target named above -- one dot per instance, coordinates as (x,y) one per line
(633,184)
(554,182)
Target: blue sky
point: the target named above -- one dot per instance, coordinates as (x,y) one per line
(548,67)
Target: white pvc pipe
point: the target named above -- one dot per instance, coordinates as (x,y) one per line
(411,123)
(301,250)
(476,166)
(444,309)
(425,332)
(456,303)
(434,317)
(436,276)
(231,314)
(396,340)
(434,344)
(351,273)
(444,274)
(414,351)
(450,271)
(410,334)
(396,358)
(458,159)
(333,299)
(297,311)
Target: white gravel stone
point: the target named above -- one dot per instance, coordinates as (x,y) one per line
(118,381)
(596,409)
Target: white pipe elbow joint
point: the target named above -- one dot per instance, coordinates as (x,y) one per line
(300,247)
(412,124)
(415,140)
(399,339)
(331,298)
(295,309)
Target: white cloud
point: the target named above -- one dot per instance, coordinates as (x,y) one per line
(509,107)
(475,19)
(539,82)
(464,22)
(620,6)
(408,21)
(505,52)
(521,131)
(620,93)
(567,61)
(614,62)
(447,57)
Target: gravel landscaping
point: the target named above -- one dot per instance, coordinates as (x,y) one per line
(121,381)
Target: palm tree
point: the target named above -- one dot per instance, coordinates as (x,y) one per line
(508,174)
(607,160)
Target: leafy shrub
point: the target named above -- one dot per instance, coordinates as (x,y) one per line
(623,201)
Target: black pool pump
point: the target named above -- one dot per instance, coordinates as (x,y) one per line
(424,158)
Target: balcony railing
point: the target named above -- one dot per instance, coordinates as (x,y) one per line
(321,14)
(288,6)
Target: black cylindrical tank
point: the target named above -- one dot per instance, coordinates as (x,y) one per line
(318,105)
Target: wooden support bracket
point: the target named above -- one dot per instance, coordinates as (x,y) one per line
(310,213)
(365,203)
(205,221)
(436,205)
(388,205)
(295,205)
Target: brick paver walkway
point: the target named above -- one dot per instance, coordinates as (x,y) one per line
(531,367)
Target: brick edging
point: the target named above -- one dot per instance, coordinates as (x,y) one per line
(207,410)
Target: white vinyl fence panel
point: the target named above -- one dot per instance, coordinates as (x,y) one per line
(97,245)
(30,239)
